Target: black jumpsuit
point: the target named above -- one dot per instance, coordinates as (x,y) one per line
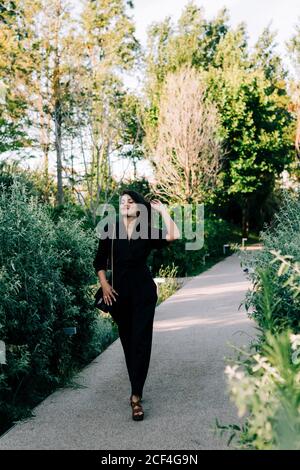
(135,307)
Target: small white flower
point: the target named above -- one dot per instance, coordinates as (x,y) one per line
(230,371)
(295,341)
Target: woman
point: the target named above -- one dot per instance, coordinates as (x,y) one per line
(133,286)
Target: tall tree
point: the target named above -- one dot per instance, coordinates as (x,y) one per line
(186,153)
(294,49)
(70,75)
(253,104)
(192,41)
(250,91)
(37,56)
(57,19)
(16,65)
(108,49)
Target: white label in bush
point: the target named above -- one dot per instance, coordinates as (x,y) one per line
(2,353)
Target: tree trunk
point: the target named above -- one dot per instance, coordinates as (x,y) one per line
(57,125)
(245,218)
(134,169)
(58,147)
(57,109)
(46,175)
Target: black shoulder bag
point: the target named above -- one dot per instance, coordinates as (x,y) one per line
(99,301)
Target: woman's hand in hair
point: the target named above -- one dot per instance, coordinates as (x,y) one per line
(172,230)
(158,206)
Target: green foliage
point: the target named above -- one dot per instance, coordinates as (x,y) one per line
(282,236)
(265,386)
(250,91)
(193,40)
(33,181)
(45,277)
(266,389)
(217,232)
(14,65)
(255,125)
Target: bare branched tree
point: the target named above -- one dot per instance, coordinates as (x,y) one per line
(294,107)
(297,109)
(186,150)
(293,46)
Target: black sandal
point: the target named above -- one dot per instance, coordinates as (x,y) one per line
(137,409)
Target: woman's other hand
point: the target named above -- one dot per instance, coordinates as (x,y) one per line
(108,293)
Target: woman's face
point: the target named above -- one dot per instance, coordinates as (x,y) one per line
(128,206)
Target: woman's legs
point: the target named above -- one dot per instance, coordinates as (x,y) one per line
(122,318)
(135,331)
(140,346)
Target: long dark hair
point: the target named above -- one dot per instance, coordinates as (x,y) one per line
(140,199)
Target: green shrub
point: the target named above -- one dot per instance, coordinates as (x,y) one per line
(267,390)
(45,277)
(266,386)
(284,236)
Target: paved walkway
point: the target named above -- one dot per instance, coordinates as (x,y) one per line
(185,390)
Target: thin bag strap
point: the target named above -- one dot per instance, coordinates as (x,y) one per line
(112,266)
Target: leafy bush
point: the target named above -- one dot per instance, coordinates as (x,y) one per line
(45,277)
(282,236)
(266,385)
(267,388)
